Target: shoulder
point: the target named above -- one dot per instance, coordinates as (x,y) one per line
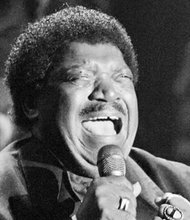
(8,159)
(147,159)
(168,175)
(13,190)
(10,155)
(11,176)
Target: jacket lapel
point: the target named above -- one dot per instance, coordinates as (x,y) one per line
(146,204)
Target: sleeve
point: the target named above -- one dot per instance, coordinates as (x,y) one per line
(170,176)
(12,185)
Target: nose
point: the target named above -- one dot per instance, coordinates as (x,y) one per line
(104,91)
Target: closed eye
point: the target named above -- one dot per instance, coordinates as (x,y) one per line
(78,77)
(123,76)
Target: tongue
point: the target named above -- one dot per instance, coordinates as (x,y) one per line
(100,127)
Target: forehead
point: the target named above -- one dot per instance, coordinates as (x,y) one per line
(84,52)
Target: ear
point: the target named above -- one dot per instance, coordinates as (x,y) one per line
(29,107)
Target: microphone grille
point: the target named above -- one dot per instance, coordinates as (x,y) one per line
(111,161)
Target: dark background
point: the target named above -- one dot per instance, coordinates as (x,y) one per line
(160,32)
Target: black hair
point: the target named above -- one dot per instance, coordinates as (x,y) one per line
(27,65)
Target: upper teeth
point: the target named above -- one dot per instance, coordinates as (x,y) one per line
(104,118)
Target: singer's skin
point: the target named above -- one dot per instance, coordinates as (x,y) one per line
(175,200)
(106,191)
(72,78)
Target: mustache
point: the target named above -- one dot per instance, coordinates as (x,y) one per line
(97,107)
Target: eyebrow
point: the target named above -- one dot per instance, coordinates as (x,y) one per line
(124,68)
(58,73)
(88,65)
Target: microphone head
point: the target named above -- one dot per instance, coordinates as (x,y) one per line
(111,161)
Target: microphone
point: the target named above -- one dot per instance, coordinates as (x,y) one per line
(111,161)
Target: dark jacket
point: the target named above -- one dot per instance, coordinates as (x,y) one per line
(34,184)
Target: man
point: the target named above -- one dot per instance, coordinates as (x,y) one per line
(72,78)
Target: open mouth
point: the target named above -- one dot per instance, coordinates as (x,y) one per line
(104,126)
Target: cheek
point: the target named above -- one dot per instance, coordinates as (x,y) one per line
(70,103)
(127,93)
(133,111)
(125,87)
(130,100)
(132,103)
(49,104)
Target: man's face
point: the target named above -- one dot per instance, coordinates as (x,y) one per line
(94,104)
